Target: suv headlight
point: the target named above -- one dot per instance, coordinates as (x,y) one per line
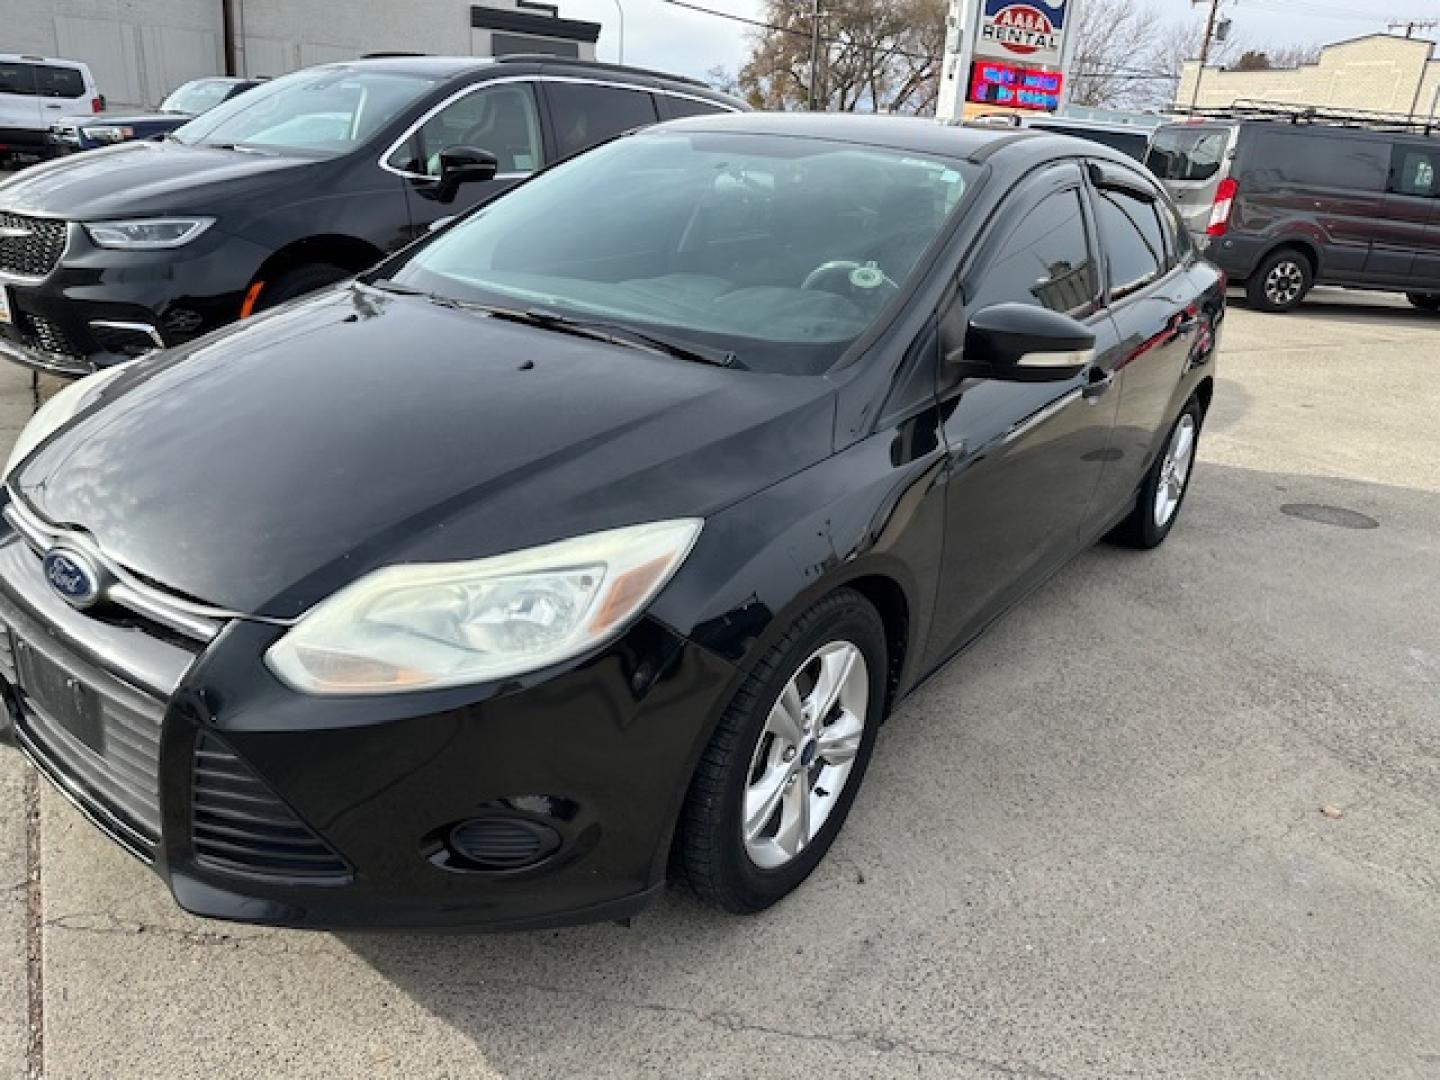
(109,133)
(63,405)
(427,625)
(147,234)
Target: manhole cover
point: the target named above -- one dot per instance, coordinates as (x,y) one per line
(1330,515)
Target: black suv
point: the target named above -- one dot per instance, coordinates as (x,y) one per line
(1284,199)
(294,185)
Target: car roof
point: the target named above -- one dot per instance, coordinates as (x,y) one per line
(28,58)
(920,135)
(451,67)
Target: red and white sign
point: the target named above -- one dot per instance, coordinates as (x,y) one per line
(1033,30)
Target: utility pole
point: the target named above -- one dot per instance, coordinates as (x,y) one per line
(1413,25)
(1204,50)
(815,57)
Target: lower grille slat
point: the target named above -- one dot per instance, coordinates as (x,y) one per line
(240,826)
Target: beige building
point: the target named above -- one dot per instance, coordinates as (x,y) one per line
(1378,73)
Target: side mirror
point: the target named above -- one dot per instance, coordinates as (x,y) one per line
(1026,343)
(464,165)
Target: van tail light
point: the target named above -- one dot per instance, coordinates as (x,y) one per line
(96,104)
(1225,193)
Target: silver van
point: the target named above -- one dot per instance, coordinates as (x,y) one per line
(34,92)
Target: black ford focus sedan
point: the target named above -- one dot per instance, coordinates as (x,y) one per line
(590,540)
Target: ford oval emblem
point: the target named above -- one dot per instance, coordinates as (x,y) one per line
(73,576)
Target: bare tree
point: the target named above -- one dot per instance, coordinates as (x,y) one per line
(1126,56)
(876,55)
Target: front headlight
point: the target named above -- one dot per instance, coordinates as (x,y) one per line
(426,625)
(147,234)
(109,133)
(56,412)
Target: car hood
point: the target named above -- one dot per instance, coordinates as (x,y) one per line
(135,178)
(281,459)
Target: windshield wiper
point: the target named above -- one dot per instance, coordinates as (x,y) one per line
(596,330)
(613,333)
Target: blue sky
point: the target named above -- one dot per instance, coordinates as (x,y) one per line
(658,34)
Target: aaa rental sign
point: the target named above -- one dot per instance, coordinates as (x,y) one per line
(1032,30)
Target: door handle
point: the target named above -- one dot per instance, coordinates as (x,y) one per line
(1097,383)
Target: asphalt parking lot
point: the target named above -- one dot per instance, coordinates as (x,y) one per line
(1094,846)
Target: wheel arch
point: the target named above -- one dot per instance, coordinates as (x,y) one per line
(333,249)
(1302,245)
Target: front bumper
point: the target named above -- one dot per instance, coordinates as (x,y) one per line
(98,307)
(258,804)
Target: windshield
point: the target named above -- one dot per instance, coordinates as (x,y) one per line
(196,97)
(324,111)
(1187,152)
(780,249)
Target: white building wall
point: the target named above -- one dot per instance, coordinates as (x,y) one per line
(138,50)
(277,36)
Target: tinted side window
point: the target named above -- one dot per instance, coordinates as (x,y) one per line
(1415,170)
(17,79)
(1131,239)
(677,107)
(501,119)
(59,82)
(584,115)
(1045,261)
(1273,157)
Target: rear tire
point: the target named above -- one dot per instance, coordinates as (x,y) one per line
(776,782)
(1424,301)
(1162,492)
(1281,281)
(298,281)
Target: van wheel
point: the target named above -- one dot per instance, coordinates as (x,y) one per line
(1425,301)
(298,281)
(781,771)
(1280,282)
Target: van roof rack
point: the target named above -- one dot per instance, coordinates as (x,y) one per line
(599,65)
(1293,113)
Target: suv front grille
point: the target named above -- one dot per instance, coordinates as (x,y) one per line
(29,246)
(240,826)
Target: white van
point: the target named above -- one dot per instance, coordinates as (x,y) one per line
(35,91)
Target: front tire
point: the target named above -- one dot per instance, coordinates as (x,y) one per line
(298,281)
(1163,490)
(781,771)
(1280,282)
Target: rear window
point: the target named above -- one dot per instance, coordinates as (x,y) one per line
(1187,152)
(1276,156)
(61,82)
(680,107)
(17,79)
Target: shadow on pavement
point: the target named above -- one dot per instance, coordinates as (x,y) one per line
(1091,845)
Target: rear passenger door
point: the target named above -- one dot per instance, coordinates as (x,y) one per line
(585,114)
(19,105)
(678,106)
(1406,249)
(1155,312)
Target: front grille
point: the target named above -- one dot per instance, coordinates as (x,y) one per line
(101,744)
(240,826)
(29,246)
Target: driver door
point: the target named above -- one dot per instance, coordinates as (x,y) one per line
(1024,458)
(502,118)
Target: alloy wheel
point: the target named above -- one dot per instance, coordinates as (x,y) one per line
(1284,283)
(805,754)
(1175,469)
